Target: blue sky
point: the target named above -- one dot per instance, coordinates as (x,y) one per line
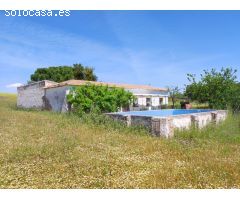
(139,47)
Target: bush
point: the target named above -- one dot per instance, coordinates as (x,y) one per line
(99,99)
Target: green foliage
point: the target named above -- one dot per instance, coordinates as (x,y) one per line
(64,73)
(57,74)
(218,89)
(83,73)
(235,100)
(100,99)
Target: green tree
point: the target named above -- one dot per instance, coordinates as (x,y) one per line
(78,71)
(235,100)
(57,74)
(64,73)
(83,73)
(215,88)
(89,74)
(102,99)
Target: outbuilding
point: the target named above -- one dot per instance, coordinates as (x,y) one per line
(52,96)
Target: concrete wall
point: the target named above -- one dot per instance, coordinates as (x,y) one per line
(219,116)
(164,126)
(182,121)
(201,120)
(55,99)
(31,95)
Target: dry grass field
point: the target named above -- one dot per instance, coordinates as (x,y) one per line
(47,150)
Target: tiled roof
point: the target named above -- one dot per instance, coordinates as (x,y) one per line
(119,85)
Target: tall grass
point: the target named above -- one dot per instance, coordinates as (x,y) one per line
(41,149)
(227,131)
(94,119)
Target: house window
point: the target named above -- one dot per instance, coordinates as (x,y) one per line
(148,101)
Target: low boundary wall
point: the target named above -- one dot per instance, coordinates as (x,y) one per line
(164,126)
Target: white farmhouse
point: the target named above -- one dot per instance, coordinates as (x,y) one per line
(52,96)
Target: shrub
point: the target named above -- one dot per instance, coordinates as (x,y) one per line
(101,99)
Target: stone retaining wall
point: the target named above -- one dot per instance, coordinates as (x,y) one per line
(141,120)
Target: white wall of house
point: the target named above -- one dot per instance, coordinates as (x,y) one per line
(55,99)
(142,101)
(165,100)
(155,100)
(30,97)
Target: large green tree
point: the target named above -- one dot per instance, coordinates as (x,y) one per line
(217,88)
(102,99)
(64,73)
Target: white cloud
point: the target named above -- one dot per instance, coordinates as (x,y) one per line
(14,85)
